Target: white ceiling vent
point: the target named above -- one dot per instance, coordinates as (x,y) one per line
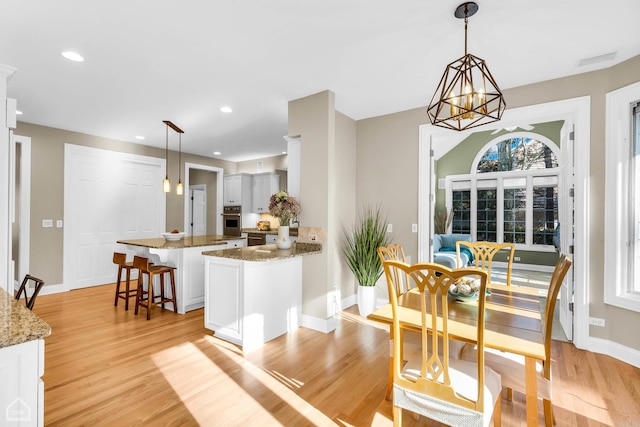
(585,62)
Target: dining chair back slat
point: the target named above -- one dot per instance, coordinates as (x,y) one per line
(37,286)
(484,253)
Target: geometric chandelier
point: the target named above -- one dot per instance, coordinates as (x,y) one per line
(467,95)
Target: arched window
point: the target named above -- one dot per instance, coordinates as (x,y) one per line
(511,192)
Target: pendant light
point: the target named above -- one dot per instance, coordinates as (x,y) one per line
(166,184)
(180,187)
(467,95)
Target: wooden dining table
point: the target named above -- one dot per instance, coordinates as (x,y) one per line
(512,324)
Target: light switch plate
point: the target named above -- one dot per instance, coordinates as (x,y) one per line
(47,223)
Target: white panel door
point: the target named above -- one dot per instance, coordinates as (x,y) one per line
(108,196)
(198,210)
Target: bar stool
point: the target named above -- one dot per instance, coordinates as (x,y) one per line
(145,268)
(121,260)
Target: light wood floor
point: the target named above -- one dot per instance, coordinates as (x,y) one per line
(105,366)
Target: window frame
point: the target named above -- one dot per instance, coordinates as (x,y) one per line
(620,288)
(457,182)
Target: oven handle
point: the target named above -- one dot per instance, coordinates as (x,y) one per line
(228,214)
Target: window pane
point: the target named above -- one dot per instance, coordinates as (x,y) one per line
(486,216)
(515,215)
(545,214)
(461,223)
(515,154)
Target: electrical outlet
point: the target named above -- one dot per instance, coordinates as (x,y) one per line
(59,223)
(516,258)
(313,237)
(414,228)
(389,228)
(596,321)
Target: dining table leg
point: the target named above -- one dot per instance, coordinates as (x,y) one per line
(532,391)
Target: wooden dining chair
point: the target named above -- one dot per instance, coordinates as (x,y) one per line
(435,385)
(483,254)
(27,282)
(511,366)
(399,285)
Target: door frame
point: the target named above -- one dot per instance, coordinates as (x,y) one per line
(219,188)
(575,110)
(24,234)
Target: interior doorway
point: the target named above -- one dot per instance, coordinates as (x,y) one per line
(215,213)
(575,113)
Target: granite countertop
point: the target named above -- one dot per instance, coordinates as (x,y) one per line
(185,242)
(19,324)
(267,252)
(292,231)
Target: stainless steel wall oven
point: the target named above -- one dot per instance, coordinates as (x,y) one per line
(232,220)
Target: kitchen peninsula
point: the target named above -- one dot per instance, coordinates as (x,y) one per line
(254,294)
(186,255)
(21,363)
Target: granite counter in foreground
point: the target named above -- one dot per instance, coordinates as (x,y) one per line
(267,252)
(185,242)
(19,324)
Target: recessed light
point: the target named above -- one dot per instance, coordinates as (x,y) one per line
(226,109)
(216,153)
(18,112)
(72,56)
(140,137)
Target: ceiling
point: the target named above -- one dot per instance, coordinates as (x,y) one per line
(146,62)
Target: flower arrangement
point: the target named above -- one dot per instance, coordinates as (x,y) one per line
(284,207)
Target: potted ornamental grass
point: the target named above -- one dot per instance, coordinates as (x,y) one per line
(360,245)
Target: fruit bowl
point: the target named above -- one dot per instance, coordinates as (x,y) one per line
(466,290)
(173,236)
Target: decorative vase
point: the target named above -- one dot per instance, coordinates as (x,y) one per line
(366,300)
(283,241)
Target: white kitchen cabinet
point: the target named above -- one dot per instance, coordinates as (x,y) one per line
(237,191)
(249,303)
(271,238)
(264,185)
(239,243)
(22,389)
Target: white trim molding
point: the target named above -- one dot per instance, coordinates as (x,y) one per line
(619,287)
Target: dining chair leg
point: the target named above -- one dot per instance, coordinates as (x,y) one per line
(549,417)
(509,394)
(397,416)
(497,413)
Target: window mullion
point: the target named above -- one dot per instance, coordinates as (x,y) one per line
(529,212)
(500,211)
(474,207)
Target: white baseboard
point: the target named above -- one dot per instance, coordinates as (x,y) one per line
(615,350)
(317,324)
(52,289)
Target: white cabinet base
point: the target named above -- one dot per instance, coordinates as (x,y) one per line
(21,389)
(250,302)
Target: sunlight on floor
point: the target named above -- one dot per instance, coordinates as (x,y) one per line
(195,378)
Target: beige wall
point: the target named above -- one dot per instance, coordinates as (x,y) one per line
(387,172)
(47,189)
(269,164)
(313,119)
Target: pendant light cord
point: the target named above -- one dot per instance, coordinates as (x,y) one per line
(166,153)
